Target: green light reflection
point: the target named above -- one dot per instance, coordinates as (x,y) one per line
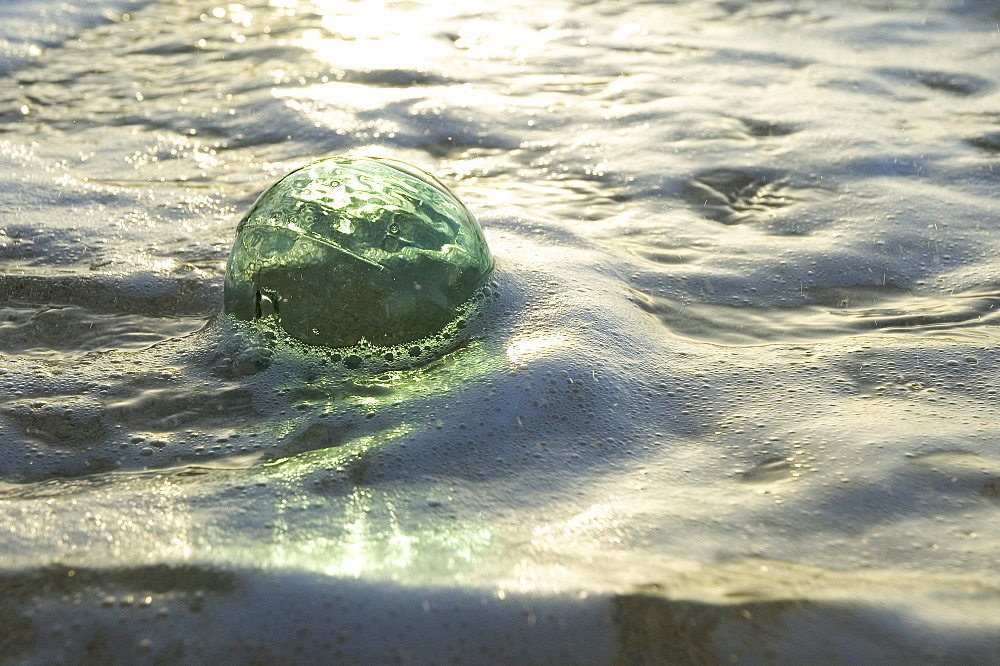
(324,522)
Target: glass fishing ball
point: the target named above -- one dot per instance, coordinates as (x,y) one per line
(356,248)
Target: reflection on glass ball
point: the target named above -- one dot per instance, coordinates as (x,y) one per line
(356,248)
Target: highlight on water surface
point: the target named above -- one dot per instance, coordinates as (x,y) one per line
(351,251)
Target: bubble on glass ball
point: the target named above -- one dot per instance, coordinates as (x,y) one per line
(349,250)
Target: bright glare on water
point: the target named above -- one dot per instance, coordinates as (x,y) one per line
(729,393)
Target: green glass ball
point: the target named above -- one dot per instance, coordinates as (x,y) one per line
(353,249)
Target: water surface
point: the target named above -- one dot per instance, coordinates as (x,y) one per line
(734,398)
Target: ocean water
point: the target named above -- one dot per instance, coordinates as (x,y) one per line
(733,397)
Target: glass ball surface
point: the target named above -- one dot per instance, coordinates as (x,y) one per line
(351,249)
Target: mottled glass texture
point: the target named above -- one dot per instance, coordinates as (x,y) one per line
(356,248)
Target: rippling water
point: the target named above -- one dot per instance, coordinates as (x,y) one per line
(735,401)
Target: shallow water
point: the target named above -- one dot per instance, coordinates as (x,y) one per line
(735,398)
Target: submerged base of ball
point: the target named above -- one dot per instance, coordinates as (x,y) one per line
(353,249)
